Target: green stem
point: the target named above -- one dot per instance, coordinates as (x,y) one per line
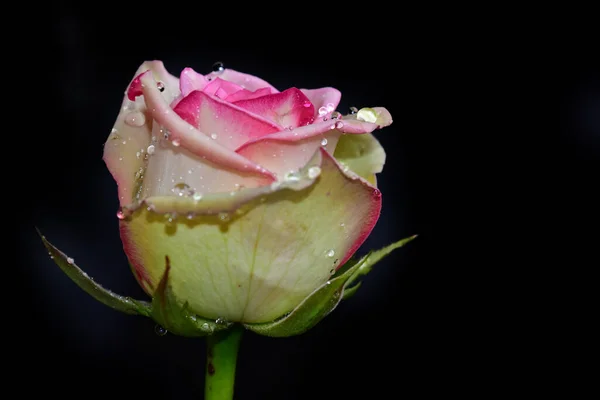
(221,356)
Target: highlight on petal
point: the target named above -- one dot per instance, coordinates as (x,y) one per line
(259,262)
(246,81)
(362,154)
(126,145)
(191,138)
(226,123)
(290,108)
(325,101)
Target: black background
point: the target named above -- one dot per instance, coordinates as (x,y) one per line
(429,319)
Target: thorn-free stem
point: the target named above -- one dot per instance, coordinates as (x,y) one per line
(221,357)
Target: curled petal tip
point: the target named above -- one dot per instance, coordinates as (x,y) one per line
(135,88)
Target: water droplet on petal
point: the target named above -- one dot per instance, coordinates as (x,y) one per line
(330,253)
(218,67)
(160,86)
(322,111)
(332,126)
(314,172)
(182,189)
(150,149)
(336,115)
(324,142)
(160,331)
(367,115)
(120,214)
(330,107)
(70,260)
(205,326)
(176,142)
(307,103)
(197,196)
(353,110)
(220,321)
(213,136)
(342,224)
(224,217)
(135,118)
(292,176)
(190,215)
(339,125)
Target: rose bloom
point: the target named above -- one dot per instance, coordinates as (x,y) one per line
(256,196)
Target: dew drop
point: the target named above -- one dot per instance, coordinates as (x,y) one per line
(176,142)
(220,321)
(307,104)
(322,111)
(213,136)
(137,155)
(342,224)
(353,110)
(332,271)
(120,214)
(166,134)
(324,142)
(197,196)
(182,189)
(224,216)
(218,67)
(336,115)
(332,126)
(160,86)
(292,176)
(70,260)
(314,172)
(150,149)
(135,118)
(190,216)
(330,107)
(330,253)
(160,331)
(339,125)
(205,327)
(367,115)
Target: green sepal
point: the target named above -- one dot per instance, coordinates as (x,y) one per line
(176,317)
(124,304)
(325,298)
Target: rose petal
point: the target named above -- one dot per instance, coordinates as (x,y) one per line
(287,151)
(192,139)
(226,123)
(290,108)
(256,275)
(221,88)
(246,81)
(190,80)
(125,147)
(325,101)
(362,154)
(247,95)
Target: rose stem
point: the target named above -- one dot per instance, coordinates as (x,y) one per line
(221,356)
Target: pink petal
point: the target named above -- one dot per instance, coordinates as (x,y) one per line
(246,81)
(226,123)
(290,108)
(128,140)
(221,88)
(189,137)
(325,101)
(247,95)
(160,73)
(190,80)
(287,151)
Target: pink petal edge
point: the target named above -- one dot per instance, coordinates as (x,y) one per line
(191,138)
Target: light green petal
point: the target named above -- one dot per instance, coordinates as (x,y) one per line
(259,262)
(362,154)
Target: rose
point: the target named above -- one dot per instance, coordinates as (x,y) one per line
(253,197)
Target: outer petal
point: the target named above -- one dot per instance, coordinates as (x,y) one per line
(267,258)
(290,108)
(325,101)
(190,80)
(362,154)
(125,148)
(192,139)
(287,151)
(246,81)
(226,123)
